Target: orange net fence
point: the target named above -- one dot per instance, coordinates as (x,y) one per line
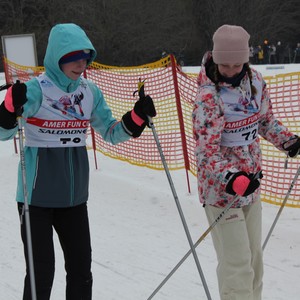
(284,91)
(173,92)
(118,86)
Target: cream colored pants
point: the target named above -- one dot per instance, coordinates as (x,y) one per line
(237,241)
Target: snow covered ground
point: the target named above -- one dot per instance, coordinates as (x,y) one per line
(138,237)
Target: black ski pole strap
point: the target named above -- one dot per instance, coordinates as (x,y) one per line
(5,86)
(141,89)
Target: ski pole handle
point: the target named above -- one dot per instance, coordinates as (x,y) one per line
(150,121)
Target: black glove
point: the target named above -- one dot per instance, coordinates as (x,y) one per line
(241,180)
(143,108)
(135,121)
(15,99)
(19,96)
(8,120)
(292,146)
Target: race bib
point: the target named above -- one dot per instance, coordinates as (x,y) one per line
(62,119)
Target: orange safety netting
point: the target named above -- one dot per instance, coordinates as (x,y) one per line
(173,92)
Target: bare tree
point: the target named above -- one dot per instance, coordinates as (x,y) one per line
(267,19)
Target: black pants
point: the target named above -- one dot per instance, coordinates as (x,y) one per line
(72,227)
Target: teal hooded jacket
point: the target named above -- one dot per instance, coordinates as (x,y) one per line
(59,177)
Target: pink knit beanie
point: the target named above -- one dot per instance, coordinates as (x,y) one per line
(231,45)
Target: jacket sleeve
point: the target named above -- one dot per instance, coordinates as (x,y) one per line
(271,128)
(103,121)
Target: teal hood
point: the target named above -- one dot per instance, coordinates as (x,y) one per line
(63,39)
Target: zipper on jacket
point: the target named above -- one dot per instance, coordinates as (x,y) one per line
(253,165)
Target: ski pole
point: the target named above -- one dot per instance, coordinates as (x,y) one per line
(202,237)
(281,207)
(25,210)
(179,209)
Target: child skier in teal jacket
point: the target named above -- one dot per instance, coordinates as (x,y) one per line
(57,108)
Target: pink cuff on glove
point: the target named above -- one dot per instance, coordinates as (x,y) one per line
(8,101)
(136,119)
(240,184)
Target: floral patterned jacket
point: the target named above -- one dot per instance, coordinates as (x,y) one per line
(226,125)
